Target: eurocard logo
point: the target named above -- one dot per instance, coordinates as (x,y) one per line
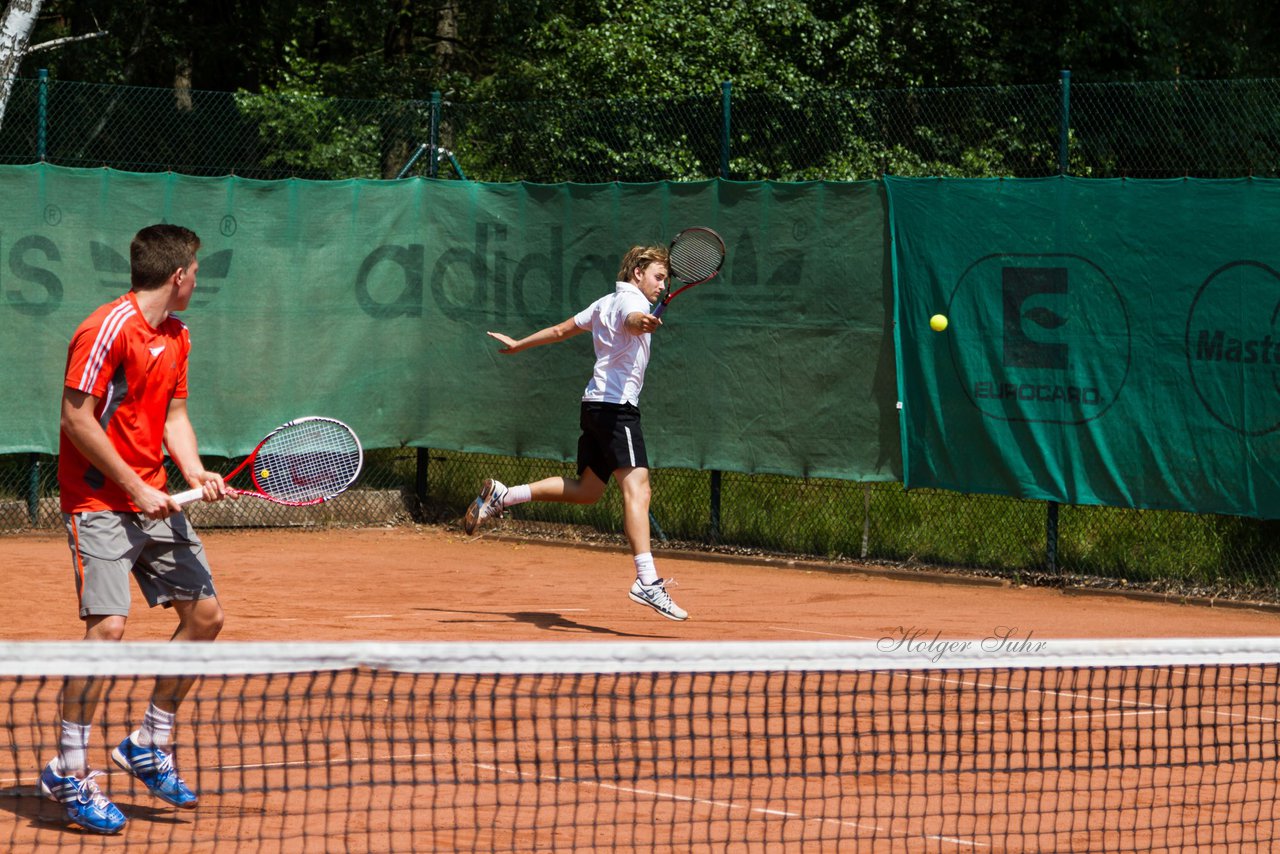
(1039,338)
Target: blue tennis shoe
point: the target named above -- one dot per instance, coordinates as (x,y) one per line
(155,769)
(86,806)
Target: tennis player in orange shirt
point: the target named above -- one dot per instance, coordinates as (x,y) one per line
(124,402)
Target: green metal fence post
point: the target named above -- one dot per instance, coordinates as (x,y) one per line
(1064,163)
(42,114)
(420,484)
(1064,124)
(33,490)
(726,89)
(413,158)
(434,168)
(714,521)
(1051,537)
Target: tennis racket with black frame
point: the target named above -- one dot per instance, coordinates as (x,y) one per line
(694,257)
(306,461)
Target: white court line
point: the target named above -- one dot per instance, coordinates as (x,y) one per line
(1135,706)
(824,634)
(728,805)
(967,843)
(545,610)
(522,609)
(1155,708)
(107,772)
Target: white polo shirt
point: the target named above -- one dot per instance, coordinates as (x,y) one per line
(620,356)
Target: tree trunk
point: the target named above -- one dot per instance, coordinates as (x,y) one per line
(16,24)
(182,83)
(446,56)
(397,45)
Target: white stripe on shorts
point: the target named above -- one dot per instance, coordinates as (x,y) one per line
(631,449)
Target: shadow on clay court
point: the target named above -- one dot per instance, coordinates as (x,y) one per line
(26,802)
(548,621)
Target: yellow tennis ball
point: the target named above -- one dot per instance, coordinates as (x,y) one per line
(938,322)
(264,474)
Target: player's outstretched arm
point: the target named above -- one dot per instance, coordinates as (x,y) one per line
(561,331)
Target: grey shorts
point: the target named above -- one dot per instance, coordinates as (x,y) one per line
(164,555)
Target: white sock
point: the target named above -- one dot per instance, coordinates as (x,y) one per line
(73,749)
(645,570)
(156,729)
(517,495)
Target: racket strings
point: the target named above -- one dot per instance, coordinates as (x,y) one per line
(695,256)
(307,461)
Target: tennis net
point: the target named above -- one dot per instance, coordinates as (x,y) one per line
(911,744)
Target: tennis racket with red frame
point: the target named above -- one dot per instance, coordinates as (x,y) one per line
(694,257)
(307,461)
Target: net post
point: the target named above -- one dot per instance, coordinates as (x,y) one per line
(1064,122)
(42,119)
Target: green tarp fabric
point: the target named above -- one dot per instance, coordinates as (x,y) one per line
(1110,341)
(368,301)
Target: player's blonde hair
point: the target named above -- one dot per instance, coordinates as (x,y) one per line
(641,257)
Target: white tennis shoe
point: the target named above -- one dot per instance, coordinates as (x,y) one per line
(656,597)
(488,505)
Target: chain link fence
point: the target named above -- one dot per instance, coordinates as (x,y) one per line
(1152,130)
(1211,129)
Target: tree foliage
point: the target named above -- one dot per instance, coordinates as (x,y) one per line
(293,63)
(517,49)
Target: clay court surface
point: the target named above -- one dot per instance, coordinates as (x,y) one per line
(536,765)
(433,584)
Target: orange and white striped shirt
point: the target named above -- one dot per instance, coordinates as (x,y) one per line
(134,371)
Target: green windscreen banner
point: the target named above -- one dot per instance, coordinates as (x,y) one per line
(369,301)
(1109,341)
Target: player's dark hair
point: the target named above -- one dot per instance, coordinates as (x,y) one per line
(642,257)
(158,250)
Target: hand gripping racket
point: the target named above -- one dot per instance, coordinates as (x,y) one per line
(307,461)
(695,256)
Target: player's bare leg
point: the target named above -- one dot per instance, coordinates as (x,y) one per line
(145,753)
(586,489)
(648,588)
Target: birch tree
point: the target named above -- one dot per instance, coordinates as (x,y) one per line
(16,24)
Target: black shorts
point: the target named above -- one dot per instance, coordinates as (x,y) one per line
(611,439)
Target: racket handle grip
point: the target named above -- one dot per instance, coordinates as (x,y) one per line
(185,498)
(662,306)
